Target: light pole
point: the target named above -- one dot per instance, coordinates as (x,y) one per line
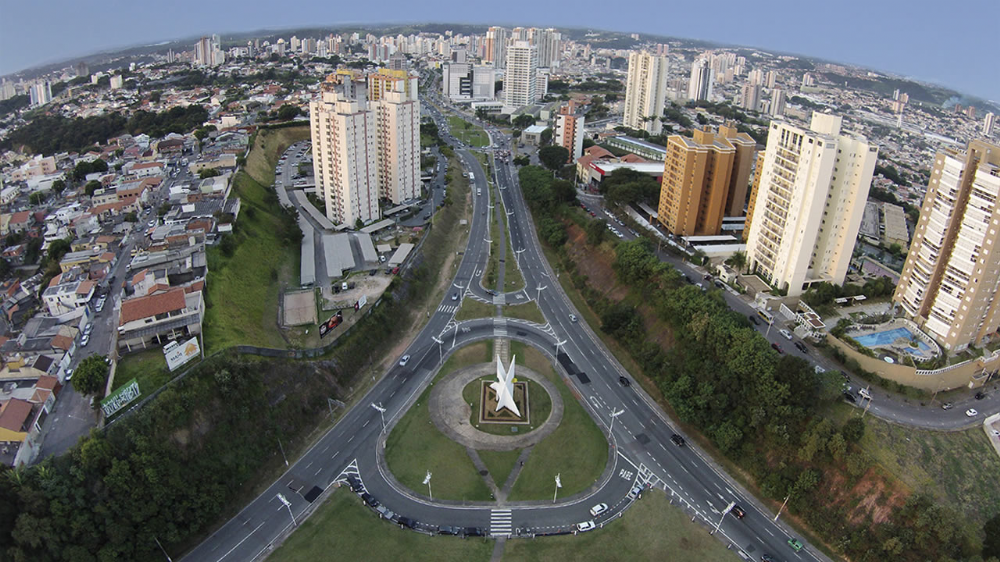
(723,516)
(558,345)
(782,507)
(427,480)
(558,485)
(163,549)
(288,504)
(614,415)
(538,294)
(282,452)
(381,412)
(517,254)
(440,348)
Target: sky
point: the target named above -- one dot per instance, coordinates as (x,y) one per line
(952,44)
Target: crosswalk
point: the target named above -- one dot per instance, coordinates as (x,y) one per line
(447,308)
(501,522)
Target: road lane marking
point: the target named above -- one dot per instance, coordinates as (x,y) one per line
(242,541)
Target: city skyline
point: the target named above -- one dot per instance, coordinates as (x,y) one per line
(891,37)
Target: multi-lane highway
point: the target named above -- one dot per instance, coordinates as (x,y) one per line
(641,447)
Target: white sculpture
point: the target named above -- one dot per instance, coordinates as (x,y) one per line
(504,387)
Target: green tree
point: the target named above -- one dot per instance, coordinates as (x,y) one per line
(91,187)
(59,186)
(90,375)
(554,157)
(287,112)
(524,121)
(553,232)
(853,430)
(596,232)
(546,136)
(737,261)
(991,546)
(208,173)
(36,198)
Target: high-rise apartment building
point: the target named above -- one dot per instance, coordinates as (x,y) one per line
(777,108)
(40,93)
(808,202)
(569,131)
(704,178)
(750,98)
(645,92)
(549,43)
(520,81)
(496,47)
(989,123)
(207,52)
(952,273)
(702,78)
(366,143)
(463,82)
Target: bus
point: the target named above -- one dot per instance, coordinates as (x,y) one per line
(472,177)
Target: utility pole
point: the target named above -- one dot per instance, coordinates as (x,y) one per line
(782,507)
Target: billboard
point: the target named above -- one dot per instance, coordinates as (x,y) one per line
(120,398)
(361,302)
(328,326)
(179,353)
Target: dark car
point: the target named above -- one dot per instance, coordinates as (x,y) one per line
(849,396)
(624,381)
(980,395)
(777,348)
(677,439)
(738,512)
(766,558)
(474,532)
(370,500)
(355,484)
(801,347)
(407,522)
(449,530)
(753,319)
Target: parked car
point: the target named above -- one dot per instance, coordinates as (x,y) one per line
(449,530)
(84,341)
(947,406)
(980,395)
(370,500)
(753,319)
(801,347)
(777,348)
(407,522)
(598,509)
(971,412)
(849,396)
(787,335)
(474,532)
(585,526)
(69,374)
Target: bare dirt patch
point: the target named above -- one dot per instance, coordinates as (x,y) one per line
(371,286)
(299,308)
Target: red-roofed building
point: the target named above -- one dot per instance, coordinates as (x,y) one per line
(158,318)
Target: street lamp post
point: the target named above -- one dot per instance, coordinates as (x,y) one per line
(440,348)
(614,415)
(723,516)
(558,485)
(538,294)
(282,452)
(381,412)
(163,549)
(427,480)
(288,504)
(782,507)
(558,345)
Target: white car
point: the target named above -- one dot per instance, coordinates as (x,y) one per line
(971,412)
(572,317)
(585,526)
(598,509)
(404,360)
(786,333)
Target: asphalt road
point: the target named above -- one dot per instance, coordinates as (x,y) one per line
(642,450)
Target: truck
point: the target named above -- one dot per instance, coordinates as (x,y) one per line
(472,177)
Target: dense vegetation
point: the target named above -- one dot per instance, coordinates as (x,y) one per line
(48,134)
(11,105)
(757,407)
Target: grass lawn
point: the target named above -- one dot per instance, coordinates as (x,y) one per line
(472,308)
(526,311)
(148,367)
(651,530)
(344,529)
(958,468)
(512,278)
(416,446)
(242,289)
(467,132)
(499,463)
(579,465)
(539,408)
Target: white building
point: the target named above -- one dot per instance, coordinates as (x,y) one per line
(366,144)
(464,82)
(645,92)
(777,108)
(496,46)
(702,80)
(40,93)
(989,122)
(549,43)
(807,203)
(520,82)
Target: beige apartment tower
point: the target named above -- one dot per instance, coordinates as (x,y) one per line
(366,143)
(704,179)
(952,272)
(645,92)
(808,203)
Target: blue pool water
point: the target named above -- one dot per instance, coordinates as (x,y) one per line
(876,339)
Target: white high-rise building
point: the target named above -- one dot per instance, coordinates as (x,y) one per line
(366,143)
(549,43)
(750,98)
(40,93)
(520,81)
(702,79)
(989,123)
(645,92)
(807,203)
(463,82)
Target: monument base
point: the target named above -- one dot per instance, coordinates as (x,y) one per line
(488,405)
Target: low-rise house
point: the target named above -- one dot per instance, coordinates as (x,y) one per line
(156,319)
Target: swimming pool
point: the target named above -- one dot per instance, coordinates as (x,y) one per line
(887,337)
